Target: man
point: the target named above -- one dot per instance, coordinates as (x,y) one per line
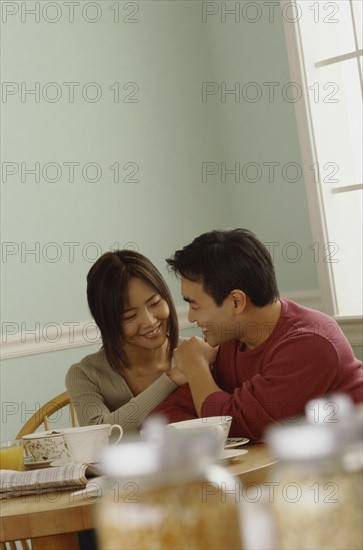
(263,357)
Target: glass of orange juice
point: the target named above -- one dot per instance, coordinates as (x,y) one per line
(11,455)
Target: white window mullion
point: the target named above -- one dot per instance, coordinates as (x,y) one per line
(330,135)
(309,159)
(339,58)
(356,14)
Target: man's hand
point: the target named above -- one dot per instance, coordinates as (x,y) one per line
(194,353)
(194,359)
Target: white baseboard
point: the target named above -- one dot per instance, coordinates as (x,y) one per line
(352,328)
(18,342)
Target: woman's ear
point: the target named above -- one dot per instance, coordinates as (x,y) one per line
(239,300)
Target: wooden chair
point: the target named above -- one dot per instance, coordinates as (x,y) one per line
(40,417)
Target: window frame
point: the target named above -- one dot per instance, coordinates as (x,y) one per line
(309,155)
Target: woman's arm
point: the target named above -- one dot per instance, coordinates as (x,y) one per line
(94,398)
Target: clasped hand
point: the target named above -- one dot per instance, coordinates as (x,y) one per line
(194,353)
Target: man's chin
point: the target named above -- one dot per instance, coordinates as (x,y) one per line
(212,342)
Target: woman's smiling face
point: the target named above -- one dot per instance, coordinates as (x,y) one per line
(145,317)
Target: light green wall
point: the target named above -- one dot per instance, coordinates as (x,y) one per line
(254,56)
(169,133)
(358,352)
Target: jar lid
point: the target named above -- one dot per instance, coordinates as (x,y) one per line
(130,459)
(338,412)
(329,409)
(302,441)
(332,422)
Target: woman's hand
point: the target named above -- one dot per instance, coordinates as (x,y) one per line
(177,376)
(193,353)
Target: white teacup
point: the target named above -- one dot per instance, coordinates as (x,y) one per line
(85,443)
(45,446)
(219,424)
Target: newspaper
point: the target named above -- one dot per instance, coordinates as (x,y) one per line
(70,476)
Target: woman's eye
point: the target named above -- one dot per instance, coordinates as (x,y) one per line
(129,318)
(156,303)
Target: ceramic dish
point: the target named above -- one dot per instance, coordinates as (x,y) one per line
(229,454)
(63,462)
(233,442)
(31,464)
(60,462)
(46,446)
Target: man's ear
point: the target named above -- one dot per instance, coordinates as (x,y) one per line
(239,299)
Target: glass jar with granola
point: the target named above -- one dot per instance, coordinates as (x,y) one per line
(168,495)
(315,492)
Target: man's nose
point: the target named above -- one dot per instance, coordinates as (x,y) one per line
(191,316)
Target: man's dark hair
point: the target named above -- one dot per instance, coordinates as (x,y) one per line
(228,260)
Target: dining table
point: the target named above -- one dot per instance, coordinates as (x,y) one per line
(53,520)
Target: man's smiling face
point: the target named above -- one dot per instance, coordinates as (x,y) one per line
(219,323)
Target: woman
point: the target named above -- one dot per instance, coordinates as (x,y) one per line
(132,373)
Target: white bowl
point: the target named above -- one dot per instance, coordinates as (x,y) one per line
(203,422)
(219,424)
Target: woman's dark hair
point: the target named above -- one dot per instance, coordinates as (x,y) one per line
(107,289)
(226,260)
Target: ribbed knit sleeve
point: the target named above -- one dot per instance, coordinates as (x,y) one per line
(101,396)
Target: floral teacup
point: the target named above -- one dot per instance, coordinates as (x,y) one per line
(45,446)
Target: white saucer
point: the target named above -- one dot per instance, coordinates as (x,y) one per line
(60,462)
(64,461)
(233,442)
(31,464)
(229,454)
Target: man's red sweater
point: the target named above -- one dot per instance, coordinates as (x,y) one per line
(305,357)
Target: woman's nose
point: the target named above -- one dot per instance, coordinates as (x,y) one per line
(147,317)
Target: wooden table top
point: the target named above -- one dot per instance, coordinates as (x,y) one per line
(253,465)
(57,513)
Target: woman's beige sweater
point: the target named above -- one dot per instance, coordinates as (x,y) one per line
(101,396)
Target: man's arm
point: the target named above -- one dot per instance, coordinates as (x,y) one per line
(292,373)
(178,406)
